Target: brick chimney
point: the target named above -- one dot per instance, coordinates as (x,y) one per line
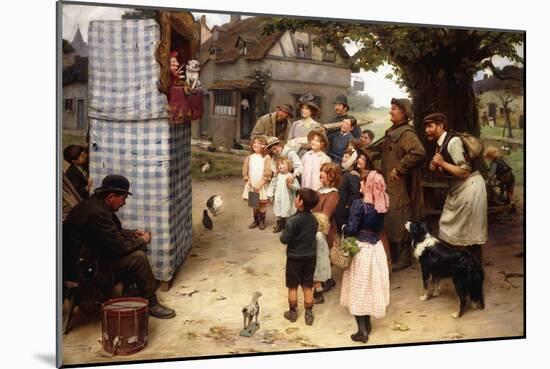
(235,18)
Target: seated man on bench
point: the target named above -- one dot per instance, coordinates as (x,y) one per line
(98,252)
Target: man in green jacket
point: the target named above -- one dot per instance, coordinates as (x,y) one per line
(276,124)
(98,252)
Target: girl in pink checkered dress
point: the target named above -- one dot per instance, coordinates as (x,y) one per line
(366,284)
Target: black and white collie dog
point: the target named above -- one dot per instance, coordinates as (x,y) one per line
(439,260)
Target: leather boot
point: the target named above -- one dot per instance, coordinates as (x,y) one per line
(157,310)
(361,335)
(308,317)
(329,284)
(279,225)
(367,324)
(292,313)
(404,259)
(261,218)
(308,314)
(318,297)
(256,221)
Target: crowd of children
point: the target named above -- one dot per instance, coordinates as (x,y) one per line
(305,204)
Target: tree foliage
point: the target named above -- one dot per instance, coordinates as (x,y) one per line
(403,46)
(433,63)
(140,14)
(359,101)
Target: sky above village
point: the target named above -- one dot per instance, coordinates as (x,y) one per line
(377,85)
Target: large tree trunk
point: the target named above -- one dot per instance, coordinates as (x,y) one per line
(438,90)
(508,121)
(441,91)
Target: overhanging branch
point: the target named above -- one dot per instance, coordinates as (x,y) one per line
(498,73)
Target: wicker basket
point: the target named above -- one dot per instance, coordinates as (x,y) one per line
(339,257)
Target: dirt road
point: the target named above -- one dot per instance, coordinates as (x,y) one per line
(226,265)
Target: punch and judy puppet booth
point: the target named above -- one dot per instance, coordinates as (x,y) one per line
(131,132)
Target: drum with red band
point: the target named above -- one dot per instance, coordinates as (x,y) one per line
(124,325)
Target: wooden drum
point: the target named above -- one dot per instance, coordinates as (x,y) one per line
(124,325)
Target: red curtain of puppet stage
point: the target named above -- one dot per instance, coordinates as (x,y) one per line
(185,108)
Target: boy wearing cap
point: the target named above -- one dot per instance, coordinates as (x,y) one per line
(339,140)
(97,251)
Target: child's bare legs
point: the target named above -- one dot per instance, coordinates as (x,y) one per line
(308,304)
(292,314)
(308,296)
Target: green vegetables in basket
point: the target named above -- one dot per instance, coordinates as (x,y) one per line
(349,244)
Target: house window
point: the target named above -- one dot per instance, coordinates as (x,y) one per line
(301,51)
(329,54)
(69,105)
(241,45)
(224,103)
(243,50)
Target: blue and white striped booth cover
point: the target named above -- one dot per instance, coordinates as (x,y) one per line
(130,135)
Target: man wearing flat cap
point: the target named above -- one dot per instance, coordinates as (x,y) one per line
(463,221)
(98,252)
(402,156)
(274,124)
(341,108)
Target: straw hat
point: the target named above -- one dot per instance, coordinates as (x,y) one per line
(323,136)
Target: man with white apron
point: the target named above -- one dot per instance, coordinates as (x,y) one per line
(463,221)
